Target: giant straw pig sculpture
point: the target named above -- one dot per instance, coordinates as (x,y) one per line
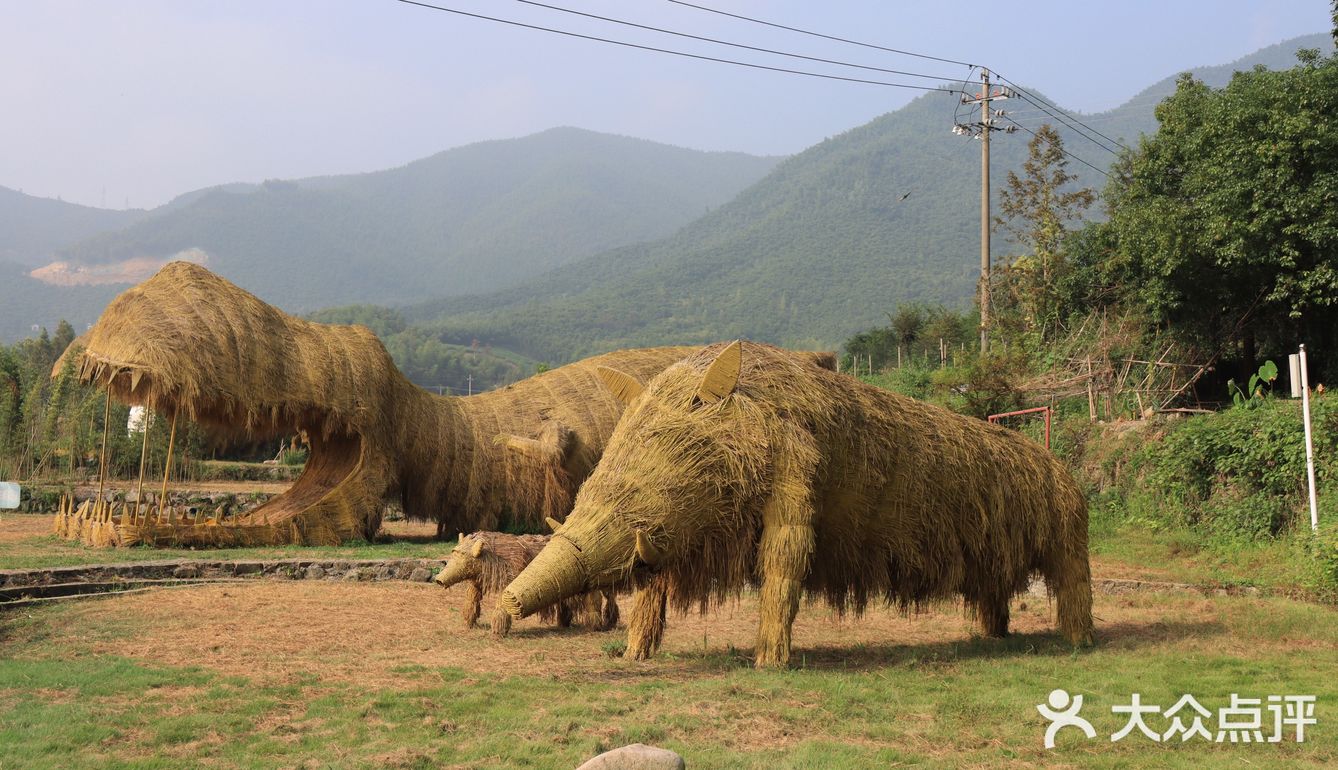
(741,466)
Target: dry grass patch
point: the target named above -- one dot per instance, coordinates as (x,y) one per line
(383,634)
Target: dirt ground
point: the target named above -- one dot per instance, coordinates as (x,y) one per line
(277,631)
(15,527)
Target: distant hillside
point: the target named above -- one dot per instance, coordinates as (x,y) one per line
(472,219)
(25,303)
(33,229)
(824,246)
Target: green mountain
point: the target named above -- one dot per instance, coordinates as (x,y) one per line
(33,229)
(471,219)
(826,245)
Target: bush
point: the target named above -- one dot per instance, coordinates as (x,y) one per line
(1321,548)
(1237,473)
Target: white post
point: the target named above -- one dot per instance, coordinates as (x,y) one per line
(1309,446)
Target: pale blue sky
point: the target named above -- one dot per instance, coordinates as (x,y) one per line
(151,98)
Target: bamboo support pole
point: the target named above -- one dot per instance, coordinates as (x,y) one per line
(102,459)
(167,466)
(143,458)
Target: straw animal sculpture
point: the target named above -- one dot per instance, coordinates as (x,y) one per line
(487,561)
(739,466)
(190,342)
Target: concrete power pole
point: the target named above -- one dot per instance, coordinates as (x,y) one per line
(982,131)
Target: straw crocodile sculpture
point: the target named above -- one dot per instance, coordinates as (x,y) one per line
(738,466)
(189,341)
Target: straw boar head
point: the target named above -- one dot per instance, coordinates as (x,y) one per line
(463,563)
(682,479)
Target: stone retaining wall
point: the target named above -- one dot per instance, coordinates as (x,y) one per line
(415,570)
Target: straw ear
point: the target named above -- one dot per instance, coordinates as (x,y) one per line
(554,444)
(552,523)
(476,550)
(527,447)
(646,550)
(723,374)
(624,386)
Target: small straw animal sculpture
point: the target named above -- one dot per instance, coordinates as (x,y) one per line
(487,561)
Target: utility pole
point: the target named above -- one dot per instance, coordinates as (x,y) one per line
(982,131)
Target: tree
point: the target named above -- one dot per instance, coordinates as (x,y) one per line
(1225,225)
(64,336)
(1038,211)
(908,323)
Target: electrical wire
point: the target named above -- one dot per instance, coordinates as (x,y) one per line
(1043,103)
(1078,129)
(1061,149)
(821,35)
(717,41)
(673,52)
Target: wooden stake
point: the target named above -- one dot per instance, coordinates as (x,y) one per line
(1091,394)
(102,461)
(167,466)
(143,457)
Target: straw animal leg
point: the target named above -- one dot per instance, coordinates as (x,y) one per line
(645,628)
(991,610)
(565,612)
(609,617)
(501,622)
(588,610)
(784,551)
(473,606)
(1071,586)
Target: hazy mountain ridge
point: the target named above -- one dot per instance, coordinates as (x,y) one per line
(825,245)
(471,219)
(34,229)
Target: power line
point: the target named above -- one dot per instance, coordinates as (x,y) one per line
(1029,96)
(672,52)
(1066,123)
(733,45)
(1061,149)
(821,35)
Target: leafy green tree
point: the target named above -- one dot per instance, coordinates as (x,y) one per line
(1038,210)
(908,322)
(63,337)
(1224,224)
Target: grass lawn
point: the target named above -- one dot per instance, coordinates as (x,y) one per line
(1178,554)
(315,674)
